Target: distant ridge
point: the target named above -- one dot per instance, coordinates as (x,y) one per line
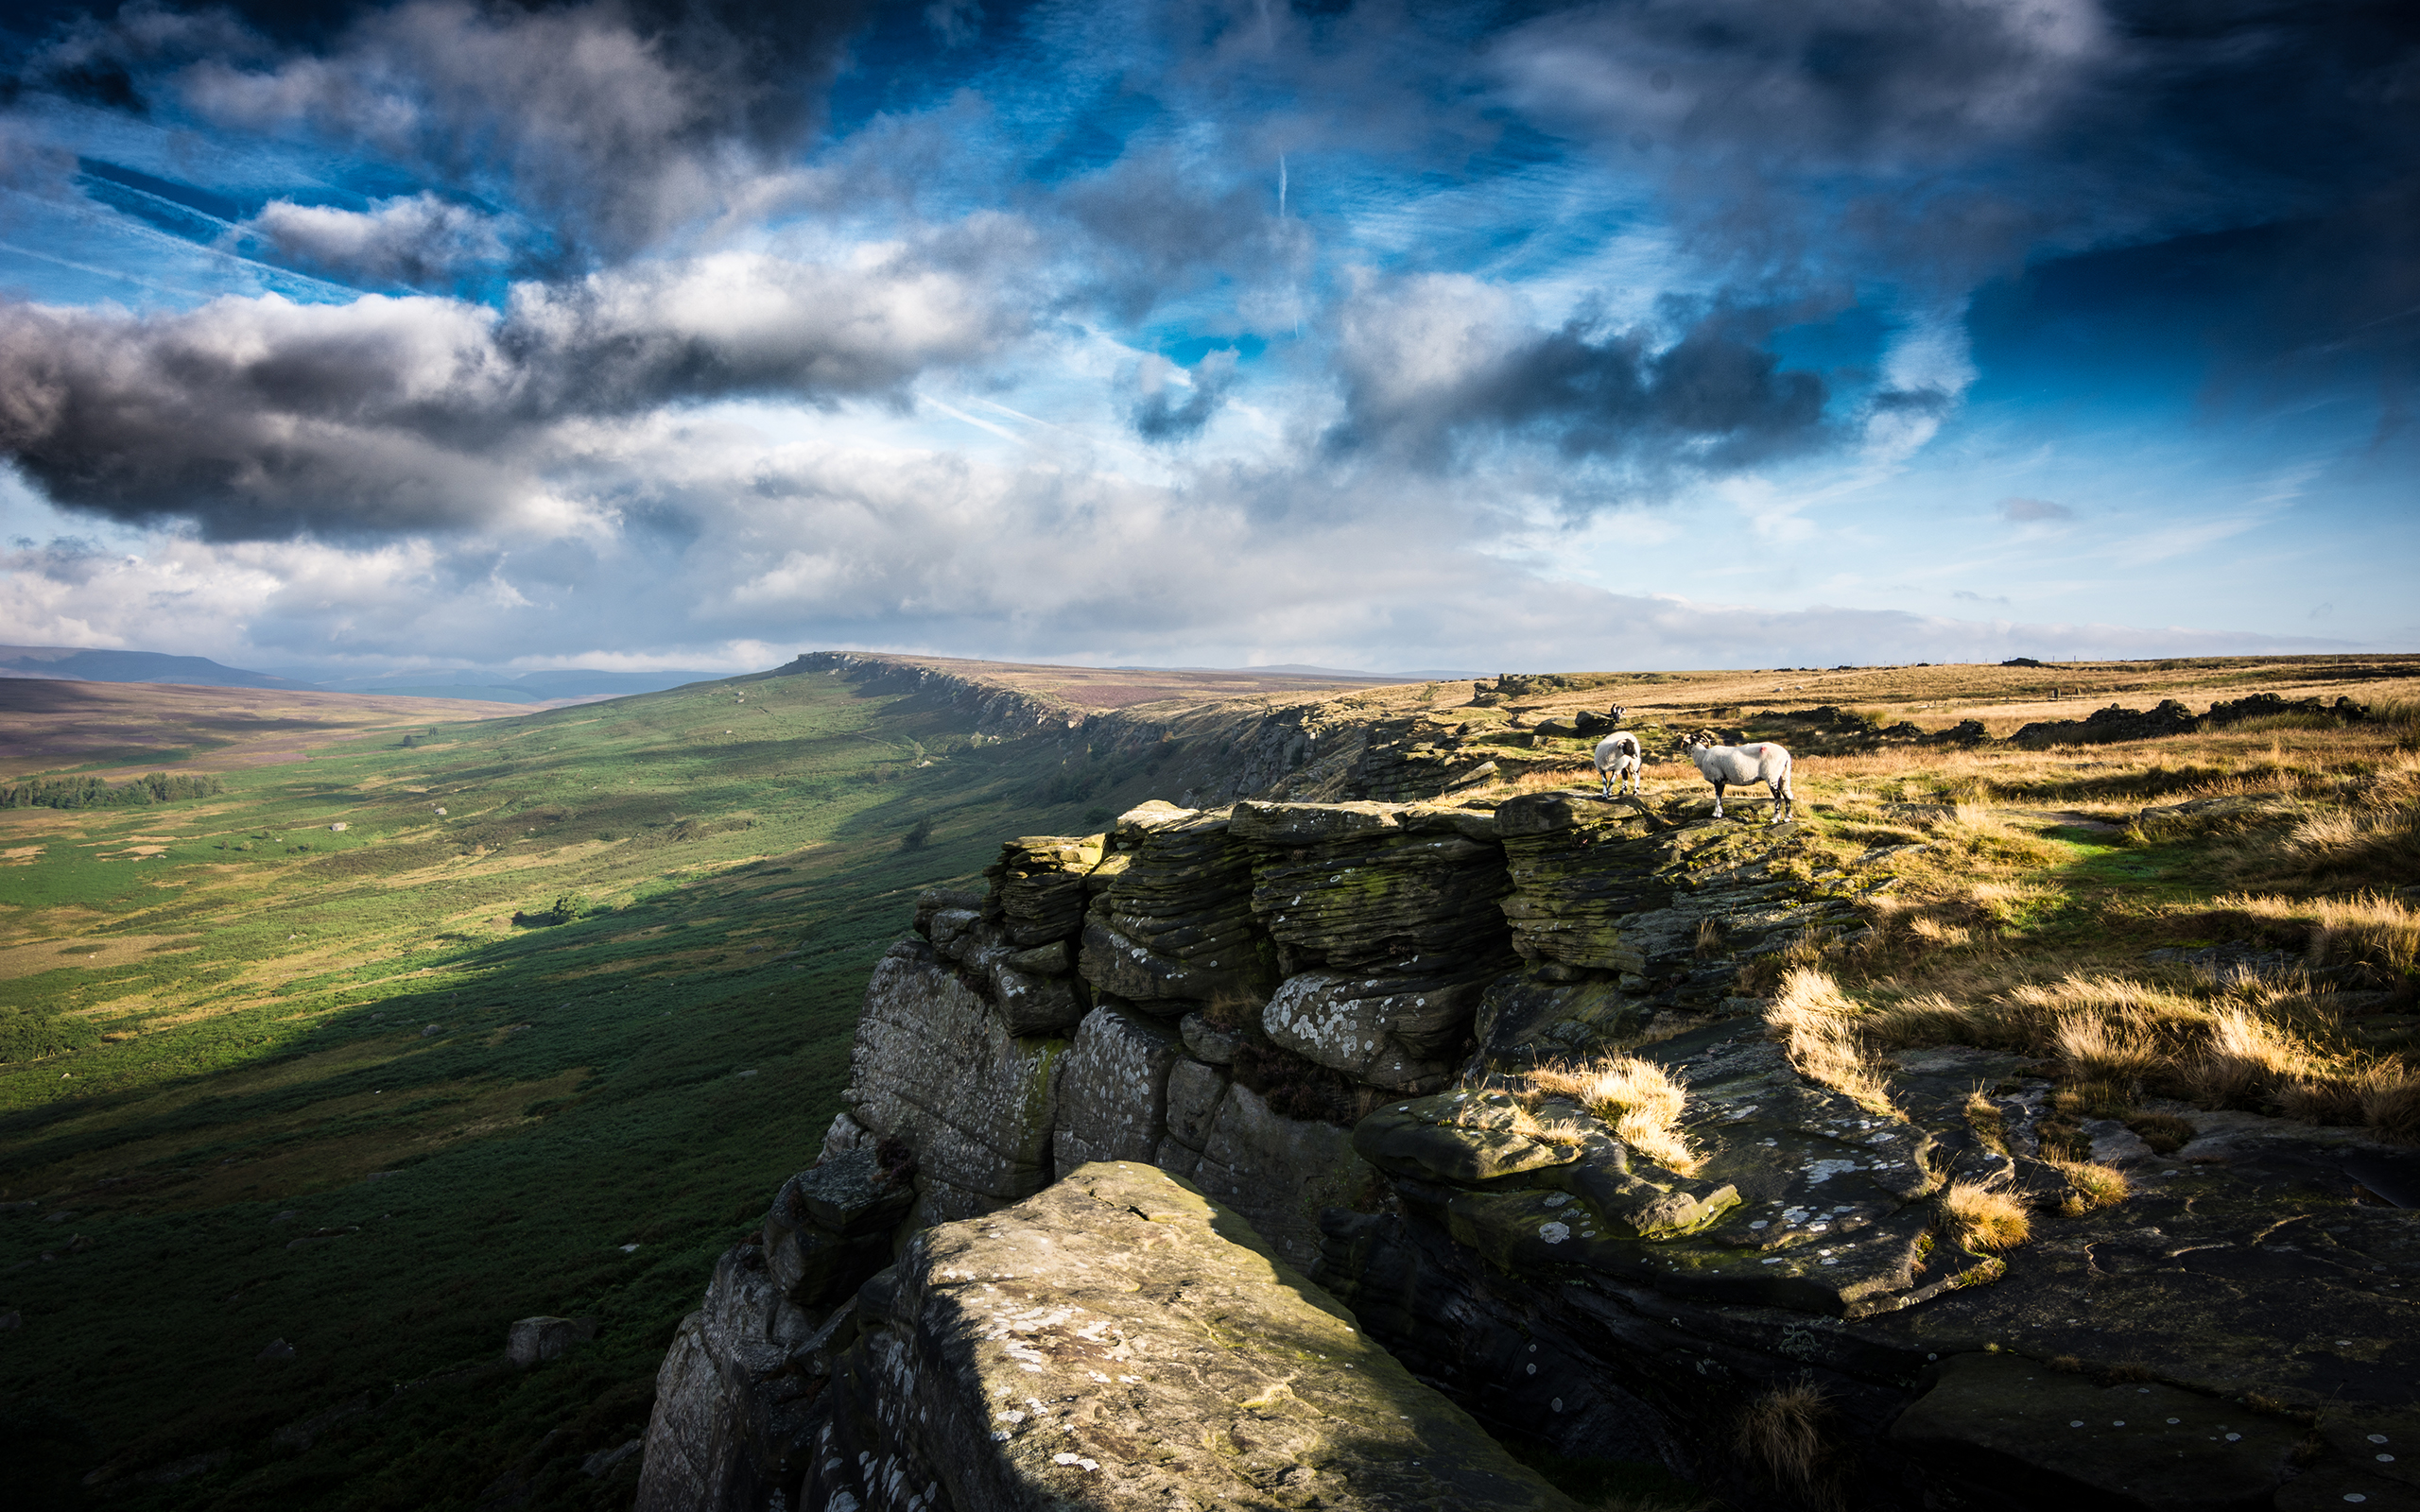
(528,687)
(571,684)
(76,665)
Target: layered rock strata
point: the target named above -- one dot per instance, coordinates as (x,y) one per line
(1318,1015)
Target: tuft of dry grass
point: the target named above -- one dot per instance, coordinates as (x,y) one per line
(2379,847)
(2105,1049)
(2092,1186)
(2244,1057)
(1816,1024)
(1709,937)
(1781,1434)
(1987,1120)
(2164,1133)
(1982,1216)
(2371,928)
(1529,1125)
(2384,1095)
(1639,1100)
(1930,1019)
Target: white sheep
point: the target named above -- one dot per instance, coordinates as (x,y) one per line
(1739,765)
(1618,759)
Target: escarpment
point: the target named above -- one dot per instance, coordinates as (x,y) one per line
(1264,1155)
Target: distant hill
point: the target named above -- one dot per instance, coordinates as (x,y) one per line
(528,687)
(82,665)
(72,663)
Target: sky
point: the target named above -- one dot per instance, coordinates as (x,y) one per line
(1389,336)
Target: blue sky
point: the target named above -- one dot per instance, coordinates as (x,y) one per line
(1731,333)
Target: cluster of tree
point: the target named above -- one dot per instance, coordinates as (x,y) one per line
(93,792)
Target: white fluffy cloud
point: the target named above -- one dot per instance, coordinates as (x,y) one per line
(262,417)
(412,239)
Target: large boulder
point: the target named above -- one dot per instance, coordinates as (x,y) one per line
(1397,1032)
(939,1068)
(1120,1341)
(729,1417)
(532,1340)
(1418,902)
(1280,1173)
(1113,1094)
(829,1226)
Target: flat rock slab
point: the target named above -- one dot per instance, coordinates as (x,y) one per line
(2012,1426)
(1120,1341)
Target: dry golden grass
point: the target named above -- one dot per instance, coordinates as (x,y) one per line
(1781,1434)
(2093,1186)
(1529,1125)
(2340,846)
(2107,1049)
(1981,1216)
(1987,1120)
(2368,926)
(2382,1094)
(2245,1057)
(1639,1100)
(1816,1024)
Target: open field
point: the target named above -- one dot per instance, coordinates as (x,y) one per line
(121,729)
(2002,698)
(294,1081)
(541,1027)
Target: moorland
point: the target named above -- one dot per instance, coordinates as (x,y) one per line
(314,1084)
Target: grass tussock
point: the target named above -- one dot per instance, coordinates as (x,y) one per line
(2106,1049)
(2092,1186)
(1981,1216)
(2339,846)
(1640,1101)
(1987,1120)
(1529,1125)
(1781,1434)
(1818,1025)
(2367,928)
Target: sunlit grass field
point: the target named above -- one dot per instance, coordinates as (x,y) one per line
(287,1081)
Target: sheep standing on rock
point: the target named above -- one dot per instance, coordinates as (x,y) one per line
(1739,765)
(1618,759)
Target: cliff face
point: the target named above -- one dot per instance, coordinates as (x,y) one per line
(1318,1014)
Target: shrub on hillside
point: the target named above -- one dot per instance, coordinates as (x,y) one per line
(94,793)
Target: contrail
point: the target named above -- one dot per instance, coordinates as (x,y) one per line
(1281,186)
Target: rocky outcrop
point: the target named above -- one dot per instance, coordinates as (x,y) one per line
(2269,705)
(1805,1253)
(1121,1341)
(2104,725)
(1316,1016)
(735,1404)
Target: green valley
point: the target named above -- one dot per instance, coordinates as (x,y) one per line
(450,1024)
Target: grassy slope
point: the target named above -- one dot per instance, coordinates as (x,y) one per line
(246,1008)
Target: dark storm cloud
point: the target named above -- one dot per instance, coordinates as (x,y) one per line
(1945,141)
(609,125)
(1430,371)
(261,418)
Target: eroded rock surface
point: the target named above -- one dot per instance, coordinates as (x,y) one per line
(1120,1341)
